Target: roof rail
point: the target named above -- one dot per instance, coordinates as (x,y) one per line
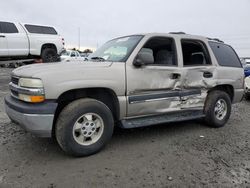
(180,32)
(215,39)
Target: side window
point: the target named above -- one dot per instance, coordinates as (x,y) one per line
(73,54)
(194,53)
(40,29)
(7,27)
(163,50)
(225,55)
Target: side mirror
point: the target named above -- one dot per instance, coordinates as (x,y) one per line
(144,57)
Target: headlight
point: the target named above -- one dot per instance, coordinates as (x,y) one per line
(28,90)
(247,82)
(30,83)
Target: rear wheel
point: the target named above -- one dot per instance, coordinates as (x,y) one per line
(49,55)
(217,108)
(84,127)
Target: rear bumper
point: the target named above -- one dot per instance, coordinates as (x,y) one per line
(238,95)
(35,118)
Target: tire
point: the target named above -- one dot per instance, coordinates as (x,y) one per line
(247,97)
(69,134)
(214,115)
(49,55)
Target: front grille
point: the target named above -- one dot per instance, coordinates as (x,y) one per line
(14,80)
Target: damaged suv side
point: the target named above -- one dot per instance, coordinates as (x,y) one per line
(131,81)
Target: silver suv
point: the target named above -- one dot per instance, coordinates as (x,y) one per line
(132,81)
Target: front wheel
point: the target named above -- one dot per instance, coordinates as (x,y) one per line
(217,108)
(84,127)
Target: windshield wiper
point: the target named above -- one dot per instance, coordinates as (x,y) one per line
(98,58)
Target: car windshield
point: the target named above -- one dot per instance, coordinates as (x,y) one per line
(116,50)
(66,53)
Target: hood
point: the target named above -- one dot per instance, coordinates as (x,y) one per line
(35,70)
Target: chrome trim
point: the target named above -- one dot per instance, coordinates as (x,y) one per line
(28,91)
(14,96)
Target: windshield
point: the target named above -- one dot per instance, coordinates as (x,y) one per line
(117,50)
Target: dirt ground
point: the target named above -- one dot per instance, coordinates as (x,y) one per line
(187,154)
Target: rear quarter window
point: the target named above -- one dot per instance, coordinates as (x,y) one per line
(7,27)
(40,29)
(225,55)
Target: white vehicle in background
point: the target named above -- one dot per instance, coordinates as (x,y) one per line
(71,55)
(26,41)
(247,88)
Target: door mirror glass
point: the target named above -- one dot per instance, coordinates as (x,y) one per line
(144,57)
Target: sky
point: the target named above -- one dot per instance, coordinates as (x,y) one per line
(100,20)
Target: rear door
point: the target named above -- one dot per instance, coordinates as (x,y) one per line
(3,43)
(154,89)
(17,40)
(198,73)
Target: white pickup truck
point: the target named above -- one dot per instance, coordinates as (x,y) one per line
(22,41)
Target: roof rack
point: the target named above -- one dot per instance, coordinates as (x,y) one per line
(215,39)
(179,33)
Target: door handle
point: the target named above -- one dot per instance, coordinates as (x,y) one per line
(2,36)
(207,75)
(175,76)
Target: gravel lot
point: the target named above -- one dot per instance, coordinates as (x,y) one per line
(187,154)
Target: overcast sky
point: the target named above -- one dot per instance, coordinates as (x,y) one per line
(101,20)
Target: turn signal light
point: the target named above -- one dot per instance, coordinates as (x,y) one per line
(33,99)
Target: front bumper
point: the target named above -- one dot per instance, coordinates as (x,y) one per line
(35,118)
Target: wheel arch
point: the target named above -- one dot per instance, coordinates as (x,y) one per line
(229,89)
(48,45)
(105,95)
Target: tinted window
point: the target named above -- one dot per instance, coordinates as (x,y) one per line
(225,55)
(6,27)
(41,29)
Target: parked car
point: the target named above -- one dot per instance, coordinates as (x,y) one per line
(22,41)
(85,55)
(71,55)
(247,85)
(132,81)
(246,66)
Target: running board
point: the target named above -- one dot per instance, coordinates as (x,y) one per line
(164,118)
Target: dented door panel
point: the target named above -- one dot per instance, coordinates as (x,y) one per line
(199,78)
(152,90)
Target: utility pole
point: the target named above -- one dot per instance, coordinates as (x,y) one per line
(79,38)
